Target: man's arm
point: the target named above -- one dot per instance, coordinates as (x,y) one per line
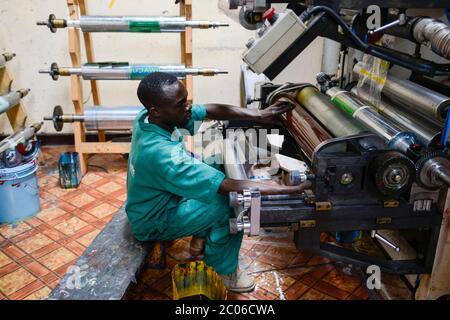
(231,185)
(227,112)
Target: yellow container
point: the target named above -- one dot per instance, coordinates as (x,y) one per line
(195,280)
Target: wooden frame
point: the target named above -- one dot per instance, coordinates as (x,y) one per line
(77,8)
(17,114)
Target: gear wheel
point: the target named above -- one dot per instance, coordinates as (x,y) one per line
(424,175)
(393,173)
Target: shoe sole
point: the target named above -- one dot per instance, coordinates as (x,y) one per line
(243,290)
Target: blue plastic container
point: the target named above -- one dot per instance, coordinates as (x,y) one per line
(69,170)
(19,193)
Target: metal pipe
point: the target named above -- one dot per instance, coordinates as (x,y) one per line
(19,137)
(391,132)
(404,92)
(98,118)
(126,71)
(129,24)
(234,168)
(5,57)
(320,106)
(11,99)
(433,33)
(427,132)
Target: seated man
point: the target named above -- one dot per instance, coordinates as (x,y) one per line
(172,195)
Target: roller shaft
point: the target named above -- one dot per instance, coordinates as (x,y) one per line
(414,96)
(11,99)
(392,133)
(433,33)
(130,24)
(100,118)
(21,136)
(5,57)
(126,71)
(427,132)
(320,106)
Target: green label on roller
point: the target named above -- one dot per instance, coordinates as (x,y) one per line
(139,72)
(344,106)
(144,26)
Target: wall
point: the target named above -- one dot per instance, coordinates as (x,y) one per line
(37,48)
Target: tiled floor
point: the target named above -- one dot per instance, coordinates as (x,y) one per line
(35,254)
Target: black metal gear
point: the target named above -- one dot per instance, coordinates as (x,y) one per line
(393,173)
(420,165)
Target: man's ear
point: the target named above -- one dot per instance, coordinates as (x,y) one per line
(154,113)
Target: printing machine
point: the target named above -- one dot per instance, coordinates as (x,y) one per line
(374,167)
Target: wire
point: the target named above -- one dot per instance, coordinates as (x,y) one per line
(296,266)
(444,135)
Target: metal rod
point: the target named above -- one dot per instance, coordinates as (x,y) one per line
(233,164)
(5,57)
(126,71)
(435,34)
(427,132)
(98,118)
(11,99)
(19,137)
(129,24)
(375,235)
(320,106)
(407,93)
(391,132)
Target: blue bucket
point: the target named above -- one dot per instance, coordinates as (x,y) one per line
(19,193)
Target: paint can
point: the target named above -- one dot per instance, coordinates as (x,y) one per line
(19,192)
(69,170)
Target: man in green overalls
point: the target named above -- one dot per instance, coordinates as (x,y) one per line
(173,195)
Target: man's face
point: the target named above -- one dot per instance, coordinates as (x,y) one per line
(175,109)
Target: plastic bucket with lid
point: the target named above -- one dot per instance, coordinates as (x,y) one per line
(19,193)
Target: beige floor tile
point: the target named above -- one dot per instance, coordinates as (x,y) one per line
(57,258)
(34,243)
(16,280)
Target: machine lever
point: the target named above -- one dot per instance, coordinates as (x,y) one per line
(375,235)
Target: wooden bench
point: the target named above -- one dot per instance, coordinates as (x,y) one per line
(108,266)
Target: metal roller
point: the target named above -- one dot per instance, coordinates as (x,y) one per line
(306,131)
(129,24)
(234,168)
(126,71)
(418,98)
(98,118)
(354,107)
(427,132)
(11,99)
(19,137)
(392,171)
(435,34)
(5,57)
(320,106)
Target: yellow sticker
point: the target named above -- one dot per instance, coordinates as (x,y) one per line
(111,4)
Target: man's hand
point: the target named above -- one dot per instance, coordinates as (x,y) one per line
(272,113)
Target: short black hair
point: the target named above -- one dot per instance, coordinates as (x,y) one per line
(150,88)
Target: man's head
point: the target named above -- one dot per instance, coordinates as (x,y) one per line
(165,98)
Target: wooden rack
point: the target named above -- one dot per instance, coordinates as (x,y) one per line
(17,114)
(77,8)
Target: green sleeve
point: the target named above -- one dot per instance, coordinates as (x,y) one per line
(185,176)
(198,116)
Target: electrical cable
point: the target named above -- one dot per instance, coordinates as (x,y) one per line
(444,135)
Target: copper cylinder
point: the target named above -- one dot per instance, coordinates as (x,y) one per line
(306,131)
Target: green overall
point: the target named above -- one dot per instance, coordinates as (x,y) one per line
(173,195)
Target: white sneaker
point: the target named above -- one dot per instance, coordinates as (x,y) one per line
(197,246)
(238,282)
